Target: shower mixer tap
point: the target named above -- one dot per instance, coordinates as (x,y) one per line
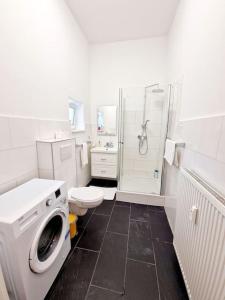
(143,136)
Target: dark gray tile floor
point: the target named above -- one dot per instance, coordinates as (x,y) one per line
(105,208)
(93,233)
(119,221)
(141,281)
(122,251)
(140,246)
(110,269)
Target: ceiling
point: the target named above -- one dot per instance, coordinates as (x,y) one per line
(105,21)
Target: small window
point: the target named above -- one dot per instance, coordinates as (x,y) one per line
(76,115)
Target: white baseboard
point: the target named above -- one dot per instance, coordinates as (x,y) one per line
(140,198)
(170,222)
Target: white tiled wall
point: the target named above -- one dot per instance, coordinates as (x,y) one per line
(195,61)
(18,155)
(221,145)
(205,143)
(205,135)
(204,153)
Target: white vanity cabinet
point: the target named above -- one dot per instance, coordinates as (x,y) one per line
(104,162)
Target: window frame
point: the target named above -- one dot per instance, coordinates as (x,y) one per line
(78,124)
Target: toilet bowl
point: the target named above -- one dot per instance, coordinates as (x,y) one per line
(82,198)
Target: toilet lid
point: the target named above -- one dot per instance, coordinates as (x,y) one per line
(87,194)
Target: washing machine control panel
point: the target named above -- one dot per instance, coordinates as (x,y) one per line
(58,197)
(49,202)
(57,193)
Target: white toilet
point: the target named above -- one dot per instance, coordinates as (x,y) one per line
(63,163)
(82,198)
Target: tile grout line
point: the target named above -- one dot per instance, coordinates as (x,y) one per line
(125,272)
(119,233)
(164,242)
(81,248)
(105,289)
(99,252)
(141,261)
(98,214)
(139,220)
(157,211)
(157,278)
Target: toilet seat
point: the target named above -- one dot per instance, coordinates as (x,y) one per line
(86,197)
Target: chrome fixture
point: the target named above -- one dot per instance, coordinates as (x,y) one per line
(143,137)
(109,145)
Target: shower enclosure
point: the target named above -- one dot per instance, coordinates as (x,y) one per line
(143,116)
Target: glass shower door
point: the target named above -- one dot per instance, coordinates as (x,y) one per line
(141,158)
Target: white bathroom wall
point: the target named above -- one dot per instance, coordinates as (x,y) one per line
(124,64)
(43,61)
(18,155)
(197,70)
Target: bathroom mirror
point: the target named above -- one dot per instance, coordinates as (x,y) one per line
(107,120)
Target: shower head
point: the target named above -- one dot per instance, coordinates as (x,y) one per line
(157,91)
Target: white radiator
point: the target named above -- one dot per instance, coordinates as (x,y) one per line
(199,238)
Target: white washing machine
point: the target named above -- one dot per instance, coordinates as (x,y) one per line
(34,237)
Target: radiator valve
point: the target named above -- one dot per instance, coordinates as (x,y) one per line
(193,214)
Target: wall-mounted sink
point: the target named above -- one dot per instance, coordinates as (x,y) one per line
(103,150)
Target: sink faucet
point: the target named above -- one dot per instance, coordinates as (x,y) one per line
(109,145)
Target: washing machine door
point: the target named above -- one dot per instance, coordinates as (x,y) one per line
(48,241)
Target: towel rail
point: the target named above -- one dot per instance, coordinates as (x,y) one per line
(80,144)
